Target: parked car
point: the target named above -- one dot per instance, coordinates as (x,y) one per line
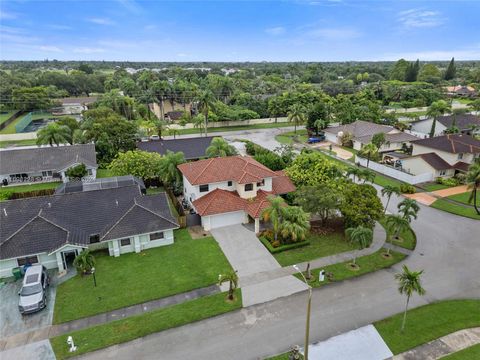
(316,139)
(154,137)
(33,295)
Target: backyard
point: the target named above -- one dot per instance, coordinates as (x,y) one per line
(155,273)
(6,191)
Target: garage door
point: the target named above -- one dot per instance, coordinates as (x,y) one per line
(226,219)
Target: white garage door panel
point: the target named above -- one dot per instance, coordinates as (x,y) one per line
(226,219)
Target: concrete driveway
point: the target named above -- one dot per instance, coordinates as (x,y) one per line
(12,322)
(252,260)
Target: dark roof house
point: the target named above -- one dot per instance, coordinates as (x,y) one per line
(462,121)
(452,143)
(101,183)
(192,148)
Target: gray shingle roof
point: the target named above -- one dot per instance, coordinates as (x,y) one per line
(43,224)
(192,148)
(99,184)
(462,121)
(54,158)
(361,128)
(453,143)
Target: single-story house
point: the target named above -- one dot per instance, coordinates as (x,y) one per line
(363,131)
(45,163)
(192,148)
(53,230)
(100,184)
(461,90)
(231,190)
(464,123)
(427,163)
(73,105)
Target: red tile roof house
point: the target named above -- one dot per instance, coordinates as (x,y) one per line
(231,190)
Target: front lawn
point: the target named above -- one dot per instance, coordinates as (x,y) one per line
(384,180)
(104,173)
(320,246)
(456,209)
(101,336)
(463,198)
(135,278)
(472,352)
(289,137)
(434,187)
(408,239)
(235,128)
(429,322)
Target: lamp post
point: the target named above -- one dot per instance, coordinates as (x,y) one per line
(309,305)
(94,278)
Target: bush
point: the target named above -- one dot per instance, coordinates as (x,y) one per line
(6,194)
(77,172)
(449,181)
(265,157)
(407,189)
(280,248)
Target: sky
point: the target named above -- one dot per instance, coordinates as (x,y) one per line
(297,30)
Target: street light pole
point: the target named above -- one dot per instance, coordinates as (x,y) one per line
(94,278)
(309,305)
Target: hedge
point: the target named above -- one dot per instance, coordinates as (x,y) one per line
(276,250)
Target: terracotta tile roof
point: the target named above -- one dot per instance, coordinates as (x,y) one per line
(241,169)
(256,206)
(453,143)
(282,184)
(219,201)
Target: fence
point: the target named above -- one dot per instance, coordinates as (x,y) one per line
(215,124)
(22,124)
(394,173)
(182,219)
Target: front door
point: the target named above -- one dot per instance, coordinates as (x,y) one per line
(68,257)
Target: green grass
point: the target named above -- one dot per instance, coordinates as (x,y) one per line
(284,356)
(434,187)
(236,128)
(288,137)
(383,181)
(460,210)
(408,237)
(104,173)
(429,322)
(10,129)
(14,143)
(472,352)
(134,327)
(32,187)
(464,101)
(135,278)
(463,197)
(6,116)
(319,246)
(367,264)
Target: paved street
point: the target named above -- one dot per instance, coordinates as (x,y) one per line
(448,250)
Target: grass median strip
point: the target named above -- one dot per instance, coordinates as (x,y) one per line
(472,352)
(101,336)
(452,208)
(408,239)
(429,322)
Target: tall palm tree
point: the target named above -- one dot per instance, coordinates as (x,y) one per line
(173,132)
(274,213)
(473,182)
(160,126)
(169,172)
(436,109)
(355,171)
(409,209)
(367,175)
(297,115)
(206,102)
(53,133)
(409,283)
(220,148)
(369,150)
(396,224)
(361,236)
(232,279)
(84,262)
(388,191)
(295,223)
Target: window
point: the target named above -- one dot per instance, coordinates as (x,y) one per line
(156,236)
(125,242)
(248,187)
(89,171)
(203,188)
(46,173)
(94,238)
(229,183)
(27,260)
(261,183)
(460,156)
(443,172)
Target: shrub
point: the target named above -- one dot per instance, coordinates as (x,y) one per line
(77,172)
(6,194)
(275,250)
(407,189)
(450,181)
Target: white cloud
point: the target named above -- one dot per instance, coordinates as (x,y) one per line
(88,50)
(5,15)
(49,48)
(150,27)
(101,21)
(333,33)
(181,55)
(472,53)
(278,30)
(131,5)
(59,27)
(418,18)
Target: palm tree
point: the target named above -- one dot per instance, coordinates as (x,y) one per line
(320,124)
(173,132)
(297,115)
(408,283)
(169,172)
(84,262)
(160,126)
(396,224)
(388,191)
(367,175)
(361,236)
(232,279)
(274,213)
(473,182)
(436,109)
(295,223)
(355,171)
(206,102)
(409,209)
(369,150)
(220,148)
(53,134)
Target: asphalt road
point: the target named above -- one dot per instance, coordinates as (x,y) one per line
(448,249)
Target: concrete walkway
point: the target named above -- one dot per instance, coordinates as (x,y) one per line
(424,198)
(443,346)
(451,191)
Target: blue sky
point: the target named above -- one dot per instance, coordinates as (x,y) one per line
(317,30)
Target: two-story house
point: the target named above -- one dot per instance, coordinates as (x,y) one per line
(231,190)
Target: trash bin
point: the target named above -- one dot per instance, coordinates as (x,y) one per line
(17,273)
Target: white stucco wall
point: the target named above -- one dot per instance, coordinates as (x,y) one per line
(139,243)
(418,166)
(6,266)
(425,126)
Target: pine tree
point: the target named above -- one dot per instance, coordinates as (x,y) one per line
(451,70)
(412,71)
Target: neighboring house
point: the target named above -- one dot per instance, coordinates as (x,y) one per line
(464,123)
(100,184)
(73,105)
(169,106)
(52,230)
(461,90)
(427,163)
(362,133)
(46,163)
(192,148)
(231,190)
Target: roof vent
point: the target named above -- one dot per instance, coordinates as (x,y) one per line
(5,211)
(49,205)
(116,202)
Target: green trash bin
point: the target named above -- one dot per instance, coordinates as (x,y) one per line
(17,273)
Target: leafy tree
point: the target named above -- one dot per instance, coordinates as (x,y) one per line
(322,200)
(53,133)
(369,150)
(409,209)
(31,98)
(232,278)
(86,68)
(397,225)
(274,213)
(360,205)
(438,108)
(399,70)
(206,103)
(451,70)
(220,148)
(430,73)
(475,105)
(379,140)
(160,126)
(271,160)
(412,71)
(142,164)
(295,223)
(409,283)
(297,115)
(169,172)
(355,172)
(76,172)
(84,262)
(473,182)
(319,116)
(388,191)
(361,236)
